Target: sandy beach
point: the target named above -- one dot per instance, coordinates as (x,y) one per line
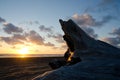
(23,68)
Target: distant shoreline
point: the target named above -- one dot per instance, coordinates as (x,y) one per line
(29,55)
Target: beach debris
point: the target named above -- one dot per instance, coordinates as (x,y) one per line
(54,64)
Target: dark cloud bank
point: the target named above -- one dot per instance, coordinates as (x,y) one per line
(19,36)
(10,28)
(86,21)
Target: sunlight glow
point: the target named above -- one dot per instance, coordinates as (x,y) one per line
(23,56)
(23,51)
(69,59)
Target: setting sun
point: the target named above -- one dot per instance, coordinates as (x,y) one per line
(24,51)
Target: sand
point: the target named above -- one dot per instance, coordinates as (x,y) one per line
(24,68)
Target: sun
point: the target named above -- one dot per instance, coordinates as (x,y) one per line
(23,51)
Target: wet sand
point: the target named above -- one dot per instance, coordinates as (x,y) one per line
(24,68)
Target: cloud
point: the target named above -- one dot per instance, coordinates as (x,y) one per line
(90,31)
(30,22)
(115,32)
(33,22)
(104,20)
(34,37)
(11,40)
(10,28)
(106,6)
(57,37)
(108,2)
(31,36)
(2,20)
(14,39)
(113,40)
(84,19)
(19,37)
(64,46)
(45,29)
(0,45)
(88,20)
(27,37)
(49,44)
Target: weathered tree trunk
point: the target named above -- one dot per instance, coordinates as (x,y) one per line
(83,43)
(100,61)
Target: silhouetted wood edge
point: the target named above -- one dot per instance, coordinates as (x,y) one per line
(100,60)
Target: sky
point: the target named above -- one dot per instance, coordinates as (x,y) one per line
(34,24)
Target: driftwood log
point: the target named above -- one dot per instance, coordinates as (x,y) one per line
(82,43)
(100,60)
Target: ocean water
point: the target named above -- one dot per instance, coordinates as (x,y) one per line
(29,55)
